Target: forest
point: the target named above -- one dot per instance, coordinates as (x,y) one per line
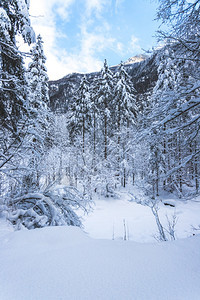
(110,135)
(100,172)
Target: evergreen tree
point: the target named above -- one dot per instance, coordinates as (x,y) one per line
(124,99)
(124,116)
(105,95)
(96,119)
(38,114)
(14,20)
(81,111)
(80,132)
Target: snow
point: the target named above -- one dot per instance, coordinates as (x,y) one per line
(4,20)
(64,263)
(108,215)
(67,263)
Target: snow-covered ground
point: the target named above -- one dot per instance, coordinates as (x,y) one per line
(66,263)
(106,221)
(63,263)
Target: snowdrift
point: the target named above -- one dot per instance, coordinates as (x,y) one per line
(64,263)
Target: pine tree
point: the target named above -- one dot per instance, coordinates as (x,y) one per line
(105,173)
(81,112)
(80,132)
(14,20)
(38,113)
(95,119)
(105,95)
(124,117)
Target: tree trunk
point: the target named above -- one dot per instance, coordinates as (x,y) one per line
(164,153)
(196,171)
(83,136)
(105,137)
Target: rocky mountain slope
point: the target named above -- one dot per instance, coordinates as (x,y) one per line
(142,69)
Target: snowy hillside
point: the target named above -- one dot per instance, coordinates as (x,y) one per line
(64,263)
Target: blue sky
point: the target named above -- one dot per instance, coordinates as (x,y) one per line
(79,34)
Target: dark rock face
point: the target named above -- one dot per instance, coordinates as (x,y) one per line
(143,75)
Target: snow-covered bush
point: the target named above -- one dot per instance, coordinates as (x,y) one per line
(54,207)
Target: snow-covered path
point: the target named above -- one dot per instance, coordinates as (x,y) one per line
(62,263)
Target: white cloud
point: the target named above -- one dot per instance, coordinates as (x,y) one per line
(59,61)
(134,45)
(96,6)
(95,37)
(47,8)
(96,40)
(86,59)
(120,47)
(118,4)
(43,18)
(67,62)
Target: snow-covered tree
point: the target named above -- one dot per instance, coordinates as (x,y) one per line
(124,117)
(173,121)
(54,207)
(14,20)
(81,111)
(38,114)
(105,95)
(96,122)
(182,18)
(124,99)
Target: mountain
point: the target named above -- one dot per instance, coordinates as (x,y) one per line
(141,68)
(136,59)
